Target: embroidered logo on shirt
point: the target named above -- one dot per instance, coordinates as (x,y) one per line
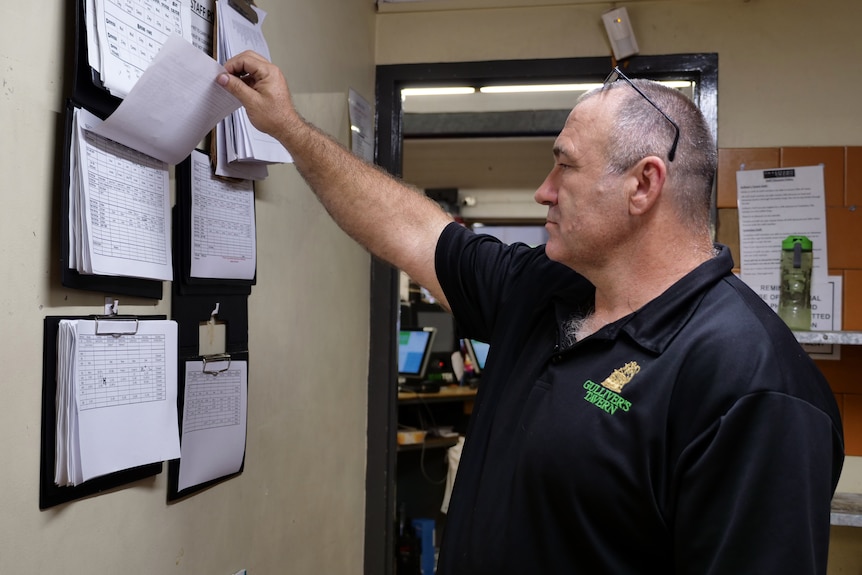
(621,376)
(606,396)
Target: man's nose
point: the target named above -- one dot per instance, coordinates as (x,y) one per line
(546,194)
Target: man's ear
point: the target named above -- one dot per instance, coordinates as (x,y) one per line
(650,174)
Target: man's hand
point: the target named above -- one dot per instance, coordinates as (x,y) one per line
(263,91)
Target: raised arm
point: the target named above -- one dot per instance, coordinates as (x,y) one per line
(392,220)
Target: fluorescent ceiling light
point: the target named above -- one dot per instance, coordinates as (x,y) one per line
(538,88)
(584,87)
(521,89)
(442,91)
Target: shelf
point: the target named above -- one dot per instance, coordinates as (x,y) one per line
(448,393)
(847,509)
(827,337)
(430,443)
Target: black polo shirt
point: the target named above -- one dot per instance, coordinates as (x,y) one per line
(692,436)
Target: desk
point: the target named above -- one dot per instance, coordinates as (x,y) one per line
(424,410)
(447,393)
(421,468)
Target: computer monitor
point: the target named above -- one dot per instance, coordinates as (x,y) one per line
(477,352)
(414,351)
(432,315)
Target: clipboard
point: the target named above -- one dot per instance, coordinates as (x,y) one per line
(70,278)
(189,312)
(51,494)
(86,86)
(183,242)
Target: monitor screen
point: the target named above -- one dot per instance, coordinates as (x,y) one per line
(477,353)
(480,348)
(446,340)
(414,349)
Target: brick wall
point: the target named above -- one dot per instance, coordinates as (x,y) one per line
(842,170)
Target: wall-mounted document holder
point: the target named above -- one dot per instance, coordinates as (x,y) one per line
(213,395)
(70,276)
(215,235)
(111,330)
(244,8)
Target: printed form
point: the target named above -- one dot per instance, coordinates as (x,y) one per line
(214,421)
(777,203)
(119,198)
(116,398)
(223,227)
(129,34)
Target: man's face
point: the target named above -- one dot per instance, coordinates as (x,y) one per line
(587,210)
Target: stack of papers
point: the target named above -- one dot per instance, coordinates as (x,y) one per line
(116,397)
(124,37)
(119,207)
(243,151)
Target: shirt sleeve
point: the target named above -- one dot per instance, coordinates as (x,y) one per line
(752,492)
(479,275)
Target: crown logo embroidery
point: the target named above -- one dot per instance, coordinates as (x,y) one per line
(621,376)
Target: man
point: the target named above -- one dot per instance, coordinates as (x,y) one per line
(642,410)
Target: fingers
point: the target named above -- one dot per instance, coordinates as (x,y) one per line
(243,72)
(247,62)
(261,88)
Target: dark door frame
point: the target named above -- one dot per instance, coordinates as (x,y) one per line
(382,396)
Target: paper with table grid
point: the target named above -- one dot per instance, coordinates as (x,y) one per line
(119,207)
(116,398)
(214,421)
(223,230)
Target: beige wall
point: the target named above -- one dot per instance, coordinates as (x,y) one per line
(785,78)
(771,53)
(299,505)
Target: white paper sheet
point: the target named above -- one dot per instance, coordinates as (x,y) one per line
(119,207)
(123,393)
(130,34)
(203,18)
(361,126)
(241,170)
(214,422)
(223,228)
(243,142)
(173,106)
(774,204)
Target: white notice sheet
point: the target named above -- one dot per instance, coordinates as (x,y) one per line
(361,126)
(214,422)
(203,18)
(223,229)
(775,204)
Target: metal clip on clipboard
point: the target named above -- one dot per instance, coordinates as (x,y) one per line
(116,325)
(218,357)
(244,7)
(111,323)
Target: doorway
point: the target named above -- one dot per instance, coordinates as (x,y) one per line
(700,69)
